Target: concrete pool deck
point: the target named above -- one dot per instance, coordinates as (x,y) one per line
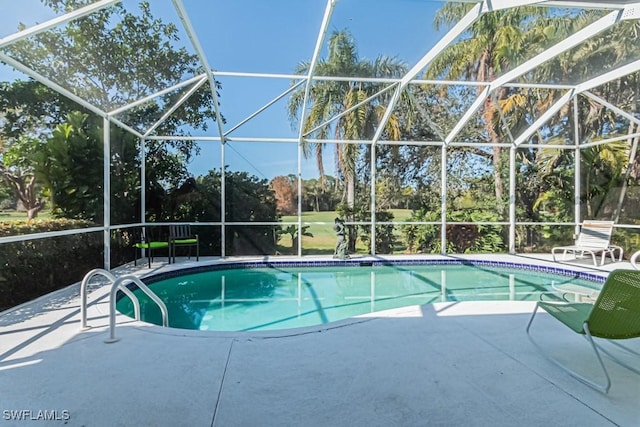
(467,363)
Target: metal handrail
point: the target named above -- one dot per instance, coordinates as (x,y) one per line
(633,260)
(83,295)
(119,284)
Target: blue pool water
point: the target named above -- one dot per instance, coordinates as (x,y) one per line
(282,297)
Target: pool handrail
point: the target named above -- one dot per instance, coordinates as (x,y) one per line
(634,260)
(83,295)
(119,284)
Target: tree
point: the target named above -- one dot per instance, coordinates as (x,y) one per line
(248,199)
(8,200)
(99,50)
(547,173)
(385,237)
(285,190)
(316,197)
(97,66)
(312,194)
(607,164)
(388,193)
(602,171)
(416,168)
(27,109)
(292,231)
(69,165)
(18,173)
(330,98)
(494,43)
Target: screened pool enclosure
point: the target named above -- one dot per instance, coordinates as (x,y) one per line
(429,127)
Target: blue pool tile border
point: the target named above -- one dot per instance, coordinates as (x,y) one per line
(232,265)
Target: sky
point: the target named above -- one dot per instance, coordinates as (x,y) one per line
(272,36)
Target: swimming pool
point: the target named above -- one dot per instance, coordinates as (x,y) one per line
(268,296)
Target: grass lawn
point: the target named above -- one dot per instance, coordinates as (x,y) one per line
(401,214)
(22,216)
(324,238)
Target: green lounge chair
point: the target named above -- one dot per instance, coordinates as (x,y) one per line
(615,315)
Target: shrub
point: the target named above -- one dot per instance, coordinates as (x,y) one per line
(461,238)
(33,268)
(385,239)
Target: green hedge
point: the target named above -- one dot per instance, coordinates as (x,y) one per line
(33,268)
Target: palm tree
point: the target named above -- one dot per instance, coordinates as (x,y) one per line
(330,98)
(313,192)
(496,42)
(602,171)
(604,167)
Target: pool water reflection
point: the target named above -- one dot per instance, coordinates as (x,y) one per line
(247,299)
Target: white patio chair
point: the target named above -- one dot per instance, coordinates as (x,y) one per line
(594,239)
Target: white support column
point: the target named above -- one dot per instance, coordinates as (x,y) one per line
(328,11)
(223,202)
(186,22)
(576,166)
(634,144)
(443,200)
(143,181)
(299,209)
(632,157)
(453,33)
(512,200)
(373,199)
(143,189)
(106,194)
